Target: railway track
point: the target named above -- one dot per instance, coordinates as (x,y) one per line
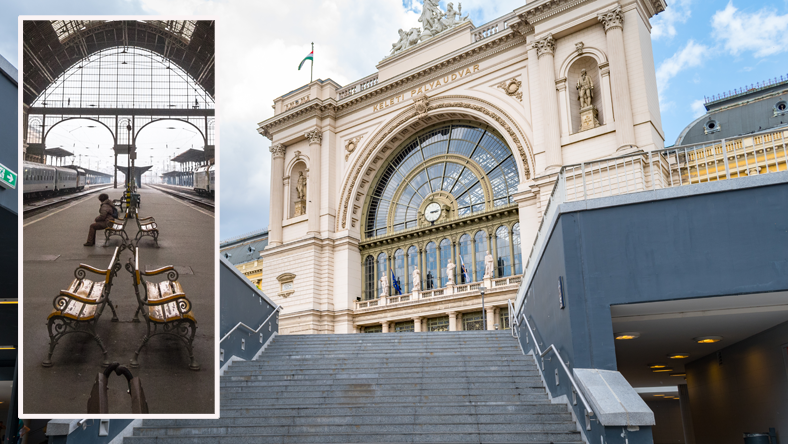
(186,194)
(36,206)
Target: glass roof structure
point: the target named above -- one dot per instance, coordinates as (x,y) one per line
(68,28)
(410,176)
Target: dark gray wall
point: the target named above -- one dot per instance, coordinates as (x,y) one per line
(9,149)
(747,393)
(669,428)
(241,301)
(90,434)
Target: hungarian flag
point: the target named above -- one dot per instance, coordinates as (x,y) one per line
(309,57)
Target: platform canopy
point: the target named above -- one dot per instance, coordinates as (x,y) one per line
(190,155)
(52,46)
(58,152)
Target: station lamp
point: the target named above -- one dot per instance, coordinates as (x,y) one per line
(679,356)
(627,335)
(707,339)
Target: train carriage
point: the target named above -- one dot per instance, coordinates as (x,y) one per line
(205,180)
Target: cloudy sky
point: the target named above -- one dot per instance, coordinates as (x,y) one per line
(701,48)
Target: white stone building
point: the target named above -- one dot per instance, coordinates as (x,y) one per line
(448,151)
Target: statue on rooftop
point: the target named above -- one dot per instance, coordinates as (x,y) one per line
(434,21)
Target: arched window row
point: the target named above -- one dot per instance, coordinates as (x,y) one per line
(467,254)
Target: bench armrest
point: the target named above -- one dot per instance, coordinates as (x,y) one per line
(144,218)
(68,294)
(167,300)
(157,271)
(93,269)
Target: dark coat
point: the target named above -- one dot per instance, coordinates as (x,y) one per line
(105,213)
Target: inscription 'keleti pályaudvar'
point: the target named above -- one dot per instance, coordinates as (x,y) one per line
(427,87)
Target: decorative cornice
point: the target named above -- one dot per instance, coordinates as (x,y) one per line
(545,45)
(548,9)
(315,137)
(612,19)
(278,150)
(521,26)
(659,6)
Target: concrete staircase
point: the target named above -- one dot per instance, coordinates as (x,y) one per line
(448,387)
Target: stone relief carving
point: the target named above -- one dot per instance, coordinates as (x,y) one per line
(579,47)
(512,88)
(612,19)
(589,115)
(314,136)
(545,45)
(420,104)
(350,145)
(278,150)
(433,21)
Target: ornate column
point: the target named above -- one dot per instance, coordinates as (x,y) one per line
(417,324)
(613,21)
(277,194)
(490,318)
(452,320)
(385,325)
(315,138)
(545,47)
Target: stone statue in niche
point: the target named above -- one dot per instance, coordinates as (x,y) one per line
(416,280)
(489,264)
(585,94)
(300,203)
(384,286)
(450,272)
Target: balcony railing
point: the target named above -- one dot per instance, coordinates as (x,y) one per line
(490,29)
(760,153)
(448,292)
(361,85)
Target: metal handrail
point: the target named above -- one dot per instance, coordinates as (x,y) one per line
(542,354)
(513,320)
(241,324)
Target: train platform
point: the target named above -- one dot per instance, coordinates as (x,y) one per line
(52,251)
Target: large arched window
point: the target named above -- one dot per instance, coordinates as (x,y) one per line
(431,270)
(445,254)
(504,265)
(399,272)
(480,242)
(466,259)
(413,263)
(369,278)
(383,268)
(461,160)
(518,249)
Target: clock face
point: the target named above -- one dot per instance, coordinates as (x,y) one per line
(432,212)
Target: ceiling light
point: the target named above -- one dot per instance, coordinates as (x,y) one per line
(678,374)
(662,370)
(627,335)
(660,395)
(707,339)
(657,366)
(678,356)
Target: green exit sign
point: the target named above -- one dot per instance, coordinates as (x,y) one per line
(7,177)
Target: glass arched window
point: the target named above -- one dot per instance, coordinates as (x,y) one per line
(445,255)
(518,249)
(504,263)
(369,278)
(431,257)
(466,259)
(425,175)
(383,268)
(399,287)
(480,242)
(413,263)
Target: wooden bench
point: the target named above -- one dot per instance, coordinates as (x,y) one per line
(78,308)
(146,226)
(117,227)
(164,306)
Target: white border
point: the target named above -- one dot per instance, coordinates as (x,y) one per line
(20,351)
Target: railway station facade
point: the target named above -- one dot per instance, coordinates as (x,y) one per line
(396,200)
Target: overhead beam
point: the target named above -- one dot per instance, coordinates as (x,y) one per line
(157,112)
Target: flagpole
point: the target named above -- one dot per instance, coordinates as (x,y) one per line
(312,65)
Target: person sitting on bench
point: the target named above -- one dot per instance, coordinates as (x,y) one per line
(107,213)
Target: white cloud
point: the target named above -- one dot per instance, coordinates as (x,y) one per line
(691,55)
(763,32)
(664,24)
(697,108)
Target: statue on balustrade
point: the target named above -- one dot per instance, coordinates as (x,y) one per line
(489,265)
(384,286)
(416,280)
(450,272)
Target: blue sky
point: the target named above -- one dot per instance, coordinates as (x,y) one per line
(701,48)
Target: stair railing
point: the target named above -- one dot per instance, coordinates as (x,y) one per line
(241,324)
(513,320)
(575,390)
